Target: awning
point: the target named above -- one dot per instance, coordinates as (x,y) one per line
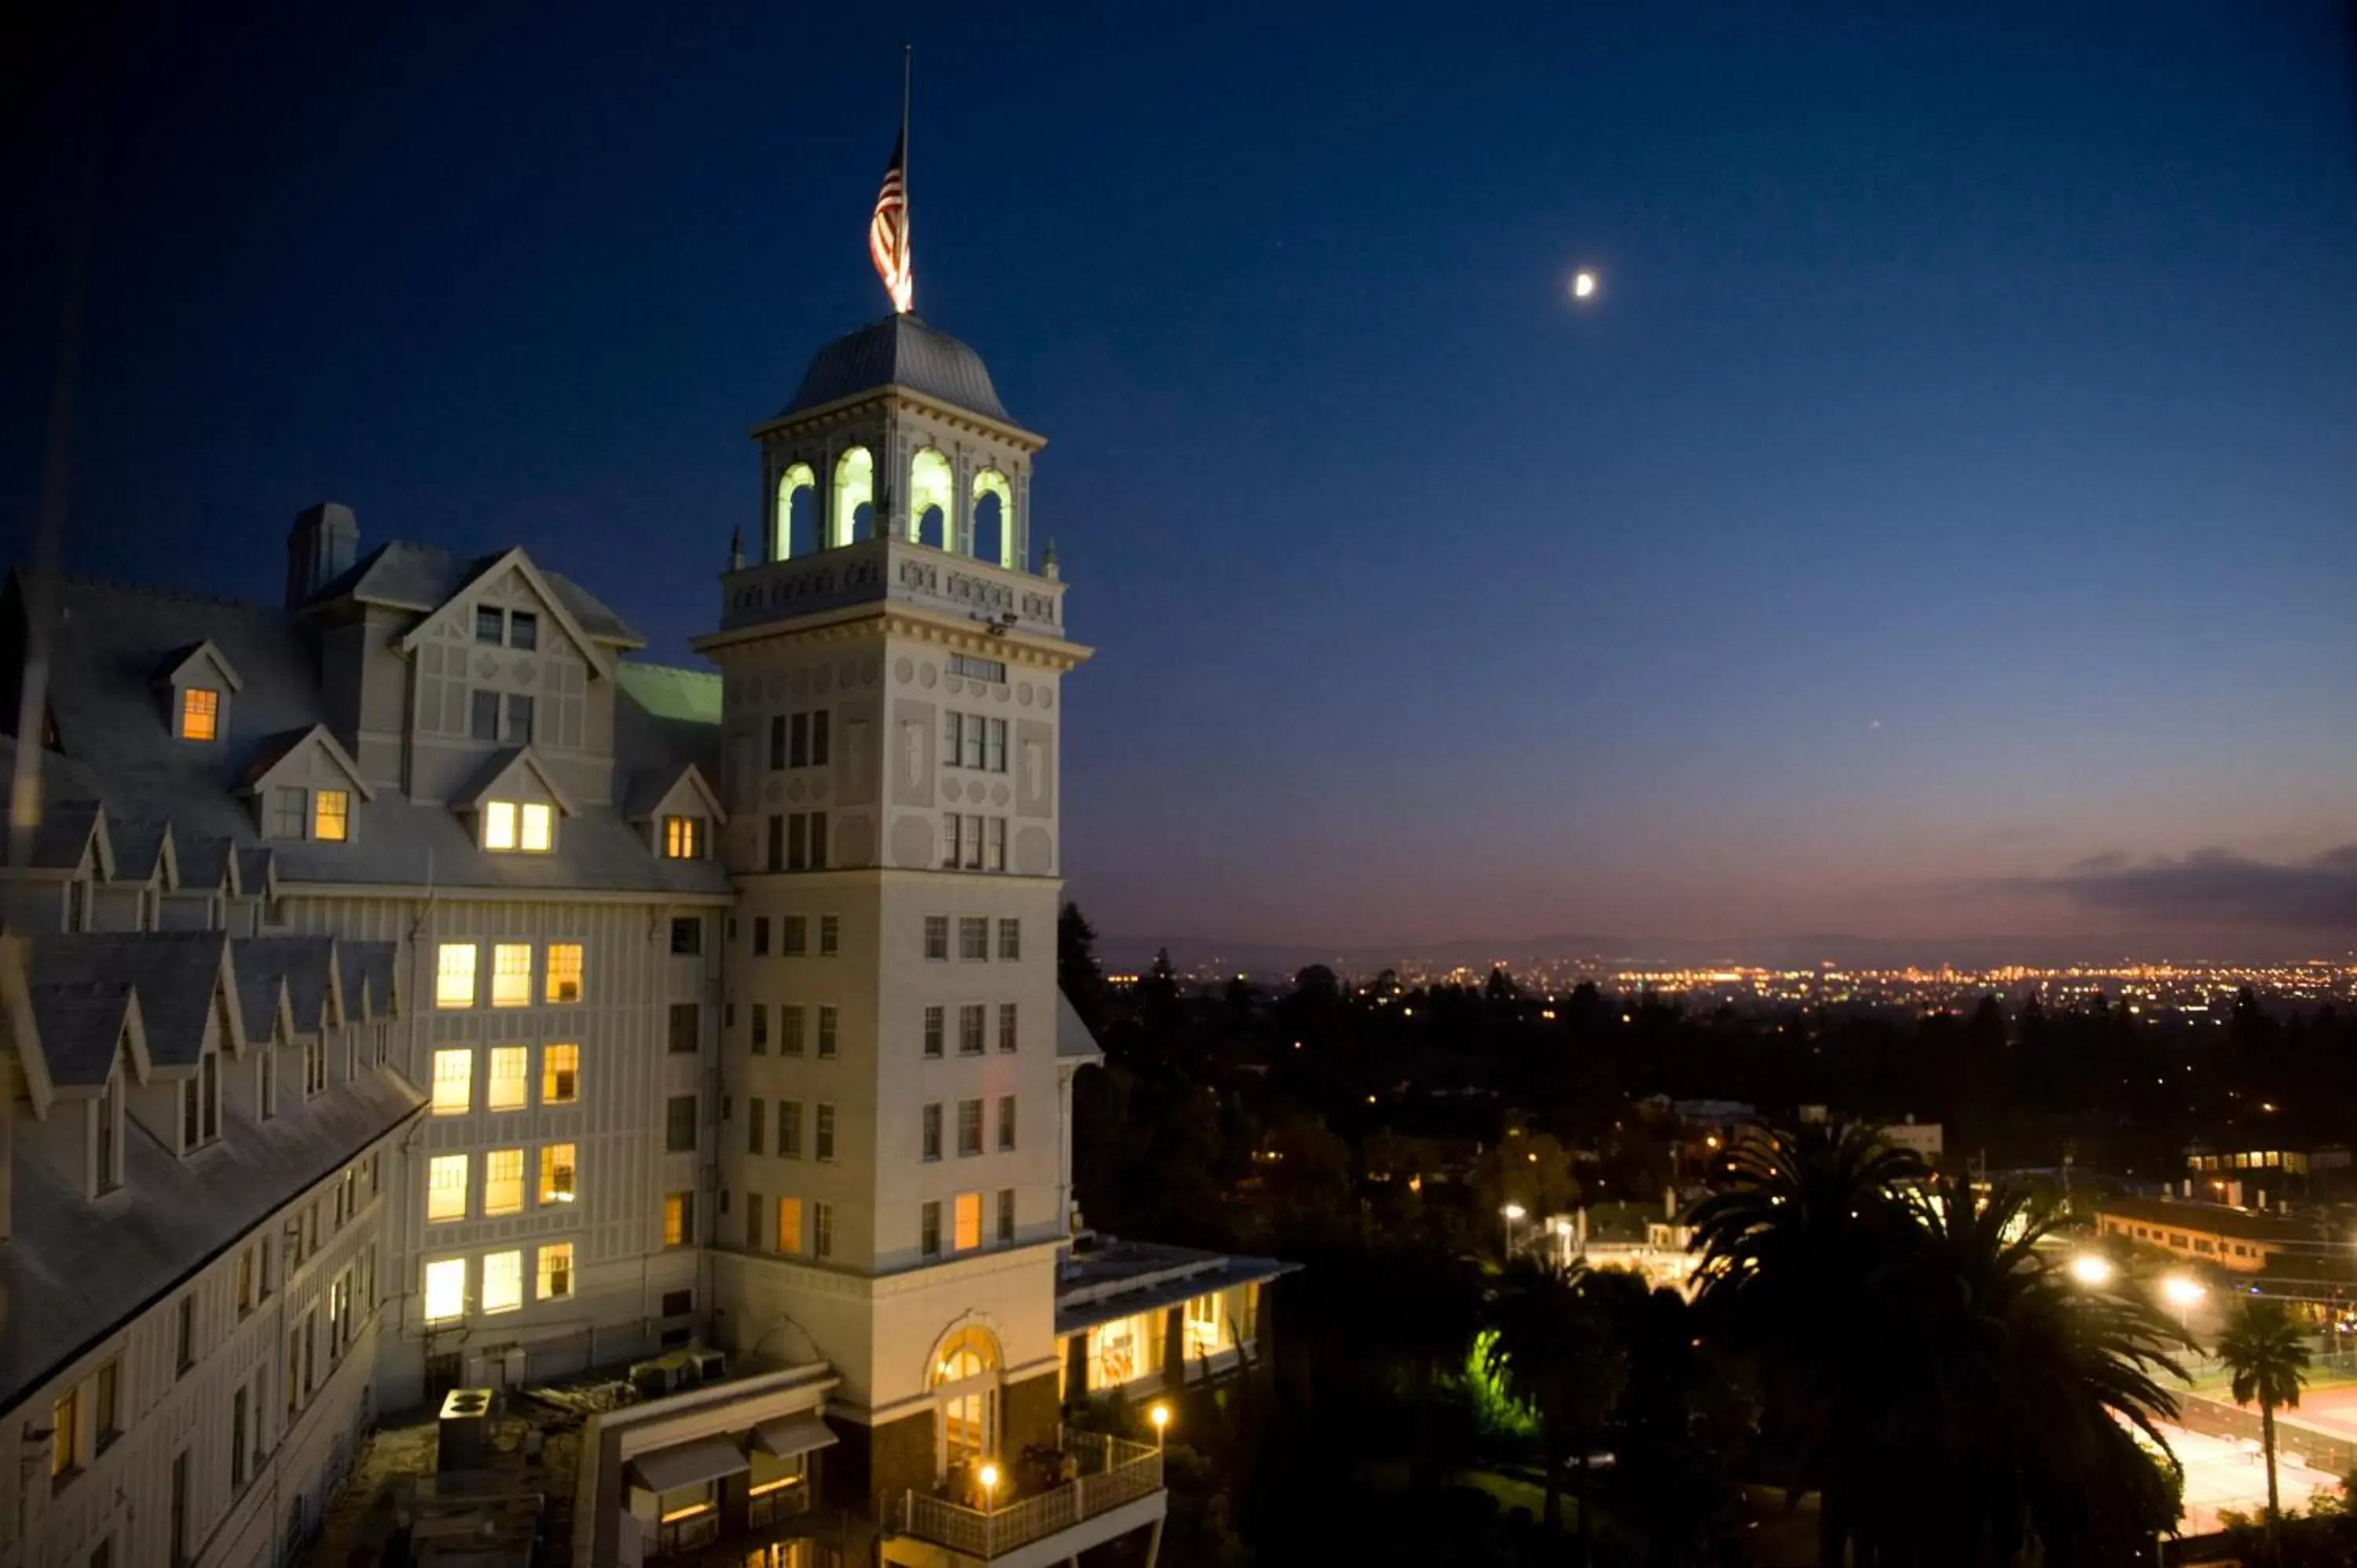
(706,1459)
(784,1436)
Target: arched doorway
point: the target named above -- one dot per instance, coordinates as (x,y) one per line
(965,1389)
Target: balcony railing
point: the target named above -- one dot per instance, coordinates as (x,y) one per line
(1113,1471)
(897,571)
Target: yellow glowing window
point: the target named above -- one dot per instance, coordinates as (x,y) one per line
(65,1426)
(969,1221)
(445,1289)
(331,815)
(502,1282)
(790,1225)
(511,975)
(503,1182)
(454,1082)
(560,1074)
(454,975)
(200,714)
(556,1173)
(1203,1324)
(445,1187)
(539,829)
(499,824)
(511,1077)
(675,1217)
(682,837)
(556,1271)
(565,972)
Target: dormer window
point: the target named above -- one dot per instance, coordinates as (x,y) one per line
(200,714)
(527,826)
(683,838)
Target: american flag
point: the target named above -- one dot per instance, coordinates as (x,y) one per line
(887,231)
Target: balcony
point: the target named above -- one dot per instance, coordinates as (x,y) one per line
(1097,1505)
(710,1540)
(896,571)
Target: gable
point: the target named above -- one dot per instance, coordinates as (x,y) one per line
(307,758)
(515,775)
(200,664)
(510,583)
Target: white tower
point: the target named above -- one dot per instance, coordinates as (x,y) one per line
(890,1192)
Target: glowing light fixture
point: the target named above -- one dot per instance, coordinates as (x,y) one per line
(1512,1211)
(2092,1269)
(2182,1292)
(1160,1414)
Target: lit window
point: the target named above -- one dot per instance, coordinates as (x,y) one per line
(969,1221)
(790,1225)
(454,975)
(565,972)
(65,1429)
(556,1173)
(445,1289)
(502,1282)
(538,829)
(331,815)
(511,1077)
(556,1271)
(499,824)
(560,1074)
(683,838)
(445,1187)
(511,975)
(679,1217)
(503,1182)
(200,714)
(454,1082)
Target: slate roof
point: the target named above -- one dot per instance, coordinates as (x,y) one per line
(308,964)
(120,749)
(75,1268)
(175,972)
(900,350)
(368,969)
(202,861)
(81,1024)
(662,711)
(63,836)
(138,845)
(424,577)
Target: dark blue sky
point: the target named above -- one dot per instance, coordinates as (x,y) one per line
(1953,483)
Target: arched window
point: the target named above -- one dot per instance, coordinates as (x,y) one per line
(794,530)
(932,490)
(964,1382)
(993,518)
(855,497)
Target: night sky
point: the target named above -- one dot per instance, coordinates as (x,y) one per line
(1940,525)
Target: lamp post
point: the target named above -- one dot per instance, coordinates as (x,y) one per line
(2093,1270)
(2182,1292)
(1160,1416)
(1563,1243)
(1512,1212)
(988,1477)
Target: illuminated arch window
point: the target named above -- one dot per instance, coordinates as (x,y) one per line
(965,1386)
(993,518)
(932,490)
(855,497)
(794,530)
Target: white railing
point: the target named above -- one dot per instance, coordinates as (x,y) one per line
(1113,1471)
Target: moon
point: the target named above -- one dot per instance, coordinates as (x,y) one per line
(1583,284)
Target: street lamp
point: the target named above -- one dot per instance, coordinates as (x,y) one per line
(1563,1242)
(1160,1416)
(2182,1292)
(1512,1212)
(2093,1270)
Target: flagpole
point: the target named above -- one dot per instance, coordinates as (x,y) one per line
(907,209)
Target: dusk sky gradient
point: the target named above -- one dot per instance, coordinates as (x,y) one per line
(1943,513)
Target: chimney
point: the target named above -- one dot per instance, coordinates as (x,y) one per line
(320,547)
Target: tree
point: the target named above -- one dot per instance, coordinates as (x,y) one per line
(1433,1310)
(2267,1356)
(1076,970)
(1551,1347)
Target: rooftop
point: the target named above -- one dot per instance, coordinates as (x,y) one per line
(903,351)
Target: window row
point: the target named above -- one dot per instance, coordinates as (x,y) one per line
(788,1145)
(449,1182)
(793,933)
(508,1084)
(974,939)
(966,1219)
(972,740)
(499,1285)
(801,1230)
(799,740)
(456,967)
(973,1020)
(973,844)
(797,841)
(969,1128)
(795,1032)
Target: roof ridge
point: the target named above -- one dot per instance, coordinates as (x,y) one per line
(153,590)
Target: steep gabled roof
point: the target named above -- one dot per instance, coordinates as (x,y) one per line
(368,970)
(275,749)
(179,976)
(504,765)
(420,577)
(189,664)
(143,848)
(83,1024)
(600,652)
(315,995)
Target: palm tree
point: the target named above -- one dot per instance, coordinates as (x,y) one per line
(1791,1250)
(1551,1350)
(2267,1354)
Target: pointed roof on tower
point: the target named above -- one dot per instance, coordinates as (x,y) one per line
(899,351)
